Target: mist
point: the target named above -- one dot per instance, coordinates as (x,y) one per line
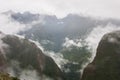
(57,57)
(61,8)
(26,22)
(8,26)
(96,34)
(3,45)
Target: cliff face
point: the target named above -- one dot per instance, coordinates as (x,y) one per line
(106,65)
(2,62)
(2,56)
(29,56)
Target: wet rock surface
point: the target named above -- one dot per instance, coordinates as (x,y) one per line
(106,65)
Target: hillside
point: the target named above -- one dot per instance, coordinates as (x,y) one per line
(106,64)
(21,55)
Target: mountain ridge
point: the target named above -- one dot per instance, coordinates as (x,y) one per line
(105,65)
(29,56)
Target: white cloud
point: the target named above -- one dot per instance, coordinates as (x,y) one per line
(14,67)
(70,42)
(8,26)
(57,57)
(97,33)
(3,45)
(29,75)
(106,8)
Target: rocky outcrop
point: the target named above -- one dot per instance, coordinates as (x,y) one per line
(2,54)
(106,65)
(29,56)
(2,62)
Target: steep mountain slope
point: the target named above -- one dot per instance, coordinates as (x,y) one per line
(2,62)
(29,57)
(2,52)
(106,65)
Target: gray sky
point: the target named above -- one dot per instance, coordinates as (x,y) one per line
(102,8)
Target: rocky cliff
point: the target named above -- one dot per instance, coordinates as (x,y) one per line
(106,65)
(28,55)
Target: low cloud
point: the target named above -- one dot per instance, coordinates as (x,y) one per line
(69,42)
(32,75)
(97,33)
(25,74)
(3,45)
(8,26)
(29,75)
(103,8)
(57,57)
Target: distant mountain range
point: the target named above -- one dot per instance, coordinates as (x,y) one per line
(69,36)
(51,31)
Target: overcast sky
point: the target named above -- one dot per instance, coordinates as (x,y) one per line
(103,8)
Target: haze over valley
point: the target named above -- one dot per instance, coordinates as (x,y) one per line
(44,40)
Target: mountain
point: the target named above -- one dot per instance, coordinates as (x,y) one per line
(21,54)
(73,36)
(2,62)
(106,65)
(24,18)
(51,31)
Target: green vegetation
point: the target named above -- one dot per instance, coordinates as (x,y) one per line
(77,54)
(6,76)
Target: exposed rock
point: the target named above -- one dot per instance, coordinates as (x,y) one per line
(106,65)
(29,56)
(2,62)
(2,56)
